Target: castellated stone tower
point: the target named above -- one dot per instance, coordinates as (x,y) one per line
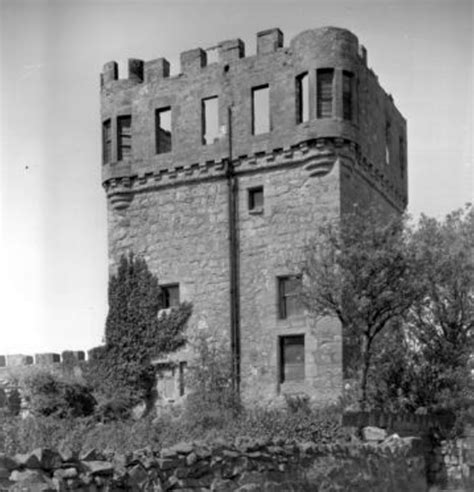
(218,175)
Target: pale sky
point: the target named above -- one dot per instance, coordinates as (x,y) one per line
(53,250)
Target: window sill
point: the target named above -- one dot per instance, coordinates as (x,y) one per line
(256,211)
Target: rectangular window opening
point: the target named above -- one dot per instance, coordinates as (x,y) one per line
(288,292)
(401,150)
(260,110)
(124,137)
(163,130)
(210,120)
(292,358)
(169,296)
(302,98)
(106,141)
(256,199)
(182,379)
(347,95)
(325,78)
(387,142)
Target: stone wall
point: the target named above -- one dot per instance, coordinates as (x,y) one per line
(15,367)
(449,462)
(245,465)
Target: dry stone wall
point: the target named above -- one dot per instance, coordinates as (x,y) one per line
(242,466)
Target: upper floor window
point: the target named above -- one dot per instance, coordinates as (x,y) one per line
(260,110)
(163,134)
(106,141)
(401,150)
(387,142)
(124,137)
(302,98)
(347,95)
(169,296)
(256,199)
(288,291)
(210,120)
(324,92)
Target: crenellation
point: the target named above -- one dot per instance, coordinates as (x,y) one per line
(231,50)
(110,72)
(47,358)
(156,70)
(269,41)
(41,359)
(193,60)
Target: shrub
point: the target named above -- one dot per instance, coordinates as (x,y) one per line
(134,334)
(14,402)
(116,408)
(213,399)
(47,394)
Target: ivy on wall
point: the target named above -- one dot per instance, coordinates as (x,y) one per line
(134,335)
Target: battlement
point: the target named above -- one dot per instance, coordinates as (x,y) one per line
(163,129)
(17,360)
(269,41)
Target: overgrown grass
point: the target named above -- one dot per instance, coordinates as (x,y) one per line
(21,435)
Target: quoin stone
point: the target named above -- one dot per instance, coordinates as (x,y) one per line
(218,176)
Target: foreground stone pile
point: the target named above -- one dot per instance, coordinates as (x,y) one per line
(244,465)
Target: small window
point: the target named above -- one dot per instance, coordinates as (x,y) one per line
(325,78)
(387,142)
(106,141)
(401,150)
(182,373)
(292,358)
(260,110)
(210,120)
(288,290)
(169,296)
(347,95)
(124,137)
(302,98)
(163,130)
(256,199)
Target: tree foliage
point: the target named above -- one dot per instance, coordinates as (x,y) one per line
(433,369)
(134,334)
(361,271)
(210,377)
(51,395)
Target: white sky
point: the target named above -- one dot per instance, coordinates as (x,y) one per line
(53,250)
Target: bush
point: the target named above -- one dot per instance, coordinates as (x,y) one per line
(47,394)
(134,335)
(213,399)
(14,402)
(116,408)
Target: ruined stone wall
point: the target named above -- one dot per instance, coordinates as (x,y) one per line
(15,367)
(243,466)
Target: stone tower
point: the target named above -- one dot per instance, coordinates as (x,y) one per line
(219,174)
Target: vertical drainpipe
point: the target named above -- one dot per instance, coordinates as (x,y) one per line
(232,194)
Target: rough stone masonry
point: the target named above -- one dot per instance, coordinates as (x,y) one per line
(218,175)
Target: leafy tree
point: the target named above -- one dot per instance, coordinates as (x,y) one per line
(443,318)
(362,272)
(133,334)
